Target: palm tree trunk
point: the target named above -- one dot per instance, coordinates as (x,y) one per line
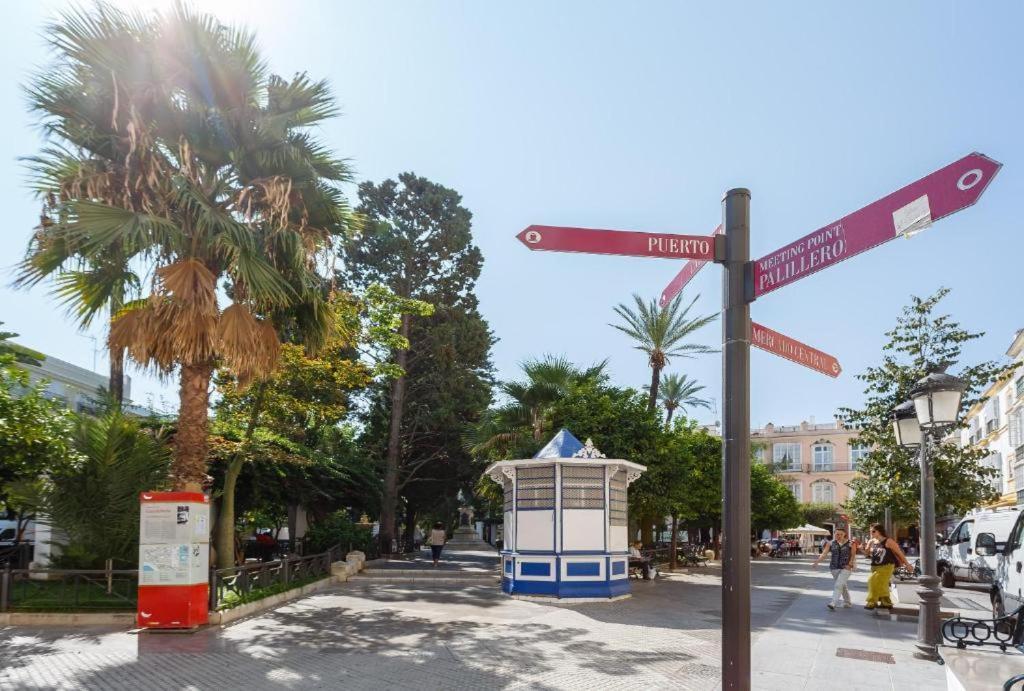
(668,418)
(224,535)
(116,383)
(675,541)
(188,466)
(652,402)
(389,500)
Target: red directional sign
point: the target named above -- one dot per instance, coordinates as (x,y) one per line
(904,212)
(622,242)
(684,276)
(772,341)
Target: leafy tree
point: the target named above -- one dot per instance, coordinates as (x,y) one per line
(772,505)
(173,150)
(302,404)
(35,436)
(660,333)
(922,341)
(417,241)
(679,392)
(17,353)
(817,513)
(94,499)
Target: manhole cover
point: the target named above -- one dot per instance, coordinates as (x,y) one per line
(869,655)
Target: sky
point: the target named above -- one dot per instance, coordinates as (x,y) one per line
(639,116)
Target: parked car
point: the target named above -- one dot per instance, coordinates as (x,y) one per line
(1008,581)
(958,558)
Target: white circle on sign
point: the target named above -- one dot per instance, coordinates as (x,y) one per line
(533,237)
(969,179)
(835,367)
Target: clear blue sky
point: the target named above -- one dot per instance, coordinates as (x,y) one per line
(639,116)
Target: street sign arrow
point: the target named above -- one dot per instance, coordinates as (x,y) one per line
(621,242)
(904,212)
(773,342)
(684,276)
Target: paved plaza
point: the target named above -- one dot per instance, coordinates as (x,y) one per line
(372,633)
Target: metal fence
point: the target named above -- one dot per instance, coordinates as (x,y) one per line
(240,584)
(57,590)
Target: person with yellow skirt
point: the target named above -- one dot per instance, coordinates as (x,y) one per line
(885,555)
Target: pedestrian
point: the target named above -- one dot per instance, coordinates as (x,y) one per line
(842,561)
(885,555)
(437,539)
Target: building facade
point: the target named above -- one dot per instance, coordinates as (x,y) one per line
(74,386)
(997,425)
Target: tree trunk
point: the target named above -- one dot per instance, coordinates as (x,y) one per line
(389,500)
(647,531)
(224,535)
(116,383)
(188,467)
(410,528)
(675,541)
(668,418)
(652,402)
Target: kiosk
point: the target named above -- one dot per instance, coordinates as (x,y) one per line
(565,521)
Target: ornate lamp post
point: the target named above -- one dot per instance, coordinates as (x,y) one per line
(933,408)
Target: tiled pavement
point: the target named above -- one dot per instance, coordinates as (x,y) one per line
(368,635)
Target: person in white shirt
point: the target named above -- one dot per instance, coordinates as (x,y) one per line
(437,539)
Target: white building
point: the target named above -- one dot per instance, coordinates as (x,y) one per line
(74,386)
(997,425)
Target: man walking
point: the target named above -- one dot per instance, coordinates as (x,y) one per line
(842,560)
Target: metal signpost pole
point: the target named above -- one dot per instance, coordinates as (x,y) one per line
(737,295)
(929,593)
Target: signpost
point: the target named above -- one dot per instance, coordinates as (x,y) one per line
(627,243)
(904,212)
(773,342)
(684,276)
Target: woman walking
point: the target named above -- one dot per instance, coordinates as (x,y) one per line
(842,561)
(437,538)
(885,555)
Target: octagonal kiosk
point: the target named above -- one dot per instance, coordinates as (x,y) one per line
(565,521)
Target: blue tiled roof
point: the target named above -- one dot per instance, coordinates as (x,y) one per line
(562,445)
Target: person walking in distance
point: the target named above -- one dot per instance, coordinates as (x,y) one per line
(885,555)
(437,538)
(842,560)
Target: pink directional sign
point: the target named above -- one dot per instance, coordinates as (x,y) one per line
(904,212)
(684,276)
(773,342)
(622,242)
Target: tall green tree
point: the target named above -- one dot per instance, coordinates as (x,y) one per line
(678,392)
(924,340)
(172,149)
(660,332)
(418,242)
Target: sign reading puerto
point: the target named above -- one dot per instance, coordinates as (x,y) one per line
(904,212)
(621,242)
(773,342)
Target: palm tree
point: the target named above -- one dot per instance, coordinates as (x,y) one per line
(548,379)
(678,391)
(173,149)
(660,333)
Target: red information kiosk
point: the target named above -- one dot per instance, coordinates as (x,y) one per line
(174,560)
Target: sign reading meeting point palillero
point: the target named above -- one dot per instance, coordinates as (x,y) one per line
(904,212)
(620,242)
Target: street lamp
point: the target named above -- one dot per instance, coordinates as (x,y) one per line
(933,408)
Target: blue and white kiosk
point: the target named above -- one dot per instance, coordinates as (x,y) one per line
(565,521)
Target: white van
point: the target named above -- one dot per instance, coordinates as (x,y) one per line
(1008,583)
(958,558)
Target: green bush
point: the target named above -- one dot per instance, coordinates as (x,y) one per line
(337,529)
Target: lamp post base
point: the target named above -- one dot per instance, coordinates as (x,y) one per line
(928,636)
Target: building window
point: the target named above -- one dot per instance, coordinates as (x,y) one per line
(535,488)
(1018,481)
(582,487)
(822,457)
(786,456)
(823,492)
(857,454)
(796,489)
(617,499)
(759,454)
(1020,386)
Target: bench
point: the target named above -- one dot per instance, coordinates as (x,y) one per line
(984,653)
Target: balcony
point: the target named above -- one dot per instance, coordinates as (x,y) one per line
(834,467)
